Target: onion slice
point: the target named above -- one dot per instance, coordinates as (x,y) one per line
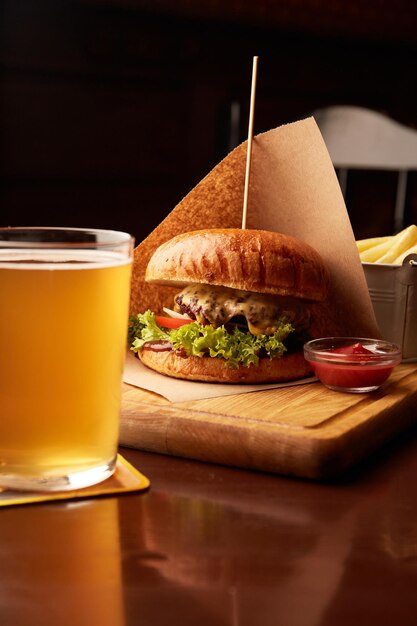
(180,316)
(157,346)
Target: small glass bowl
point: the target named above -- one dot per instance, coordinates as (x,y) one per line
(352,364)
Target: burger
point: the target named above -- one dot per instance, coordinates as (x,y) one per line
(243,310)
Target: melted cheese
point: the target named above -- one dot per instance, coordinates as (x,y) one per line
(217,306)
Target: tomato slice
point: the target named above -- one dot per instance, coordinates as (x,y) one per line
(171,322)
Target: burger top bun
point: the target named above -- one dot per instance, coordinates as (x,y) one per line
(249,260)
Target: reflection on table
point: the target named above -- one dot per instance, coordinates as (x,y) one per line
(220,546)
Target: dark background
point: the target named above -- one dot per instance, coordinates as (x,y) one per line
(111,111)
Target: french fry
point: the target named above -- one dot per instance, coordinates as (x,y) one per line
(371,255)
(404,240)
(365,244)
(391,249)
(399,260)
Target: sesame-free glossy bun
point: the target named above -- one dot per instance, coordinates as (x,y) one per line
(215,370)
(249,260)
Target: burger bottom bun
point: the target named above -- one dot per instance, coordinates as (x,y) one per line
(215,370)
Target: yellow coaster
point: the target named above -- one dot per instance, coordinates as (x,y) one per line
(125,478)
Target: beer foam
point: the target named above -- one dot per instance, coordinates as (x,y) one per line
(38,259)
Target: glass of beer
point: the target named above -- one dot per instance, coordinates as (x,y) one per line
(64,299)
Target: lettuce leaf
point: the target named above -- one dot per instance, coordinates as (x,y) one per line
(143,328)
(236,347)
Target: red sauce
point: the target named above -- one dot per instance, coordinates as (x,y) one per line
(354,372)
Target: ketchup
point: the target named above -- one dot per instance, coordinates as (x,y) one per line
(357,371)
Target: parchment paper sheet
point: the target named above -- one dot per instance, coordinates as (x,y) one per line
(137,374)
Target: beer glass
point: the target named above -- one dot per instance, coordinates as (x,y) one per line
(64,297)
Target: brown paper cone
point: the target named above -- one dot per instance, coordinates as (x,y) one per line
(293,190)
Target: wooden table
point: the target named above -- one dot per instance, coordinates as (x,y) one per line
(211,545)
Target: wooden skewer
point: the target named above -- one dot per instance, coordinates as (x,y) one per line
(250,136)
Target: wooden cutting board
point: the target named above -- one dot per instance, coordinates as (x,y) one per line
(307,431)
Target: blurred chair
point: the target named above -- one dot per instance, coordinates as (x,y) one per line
(359,138)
